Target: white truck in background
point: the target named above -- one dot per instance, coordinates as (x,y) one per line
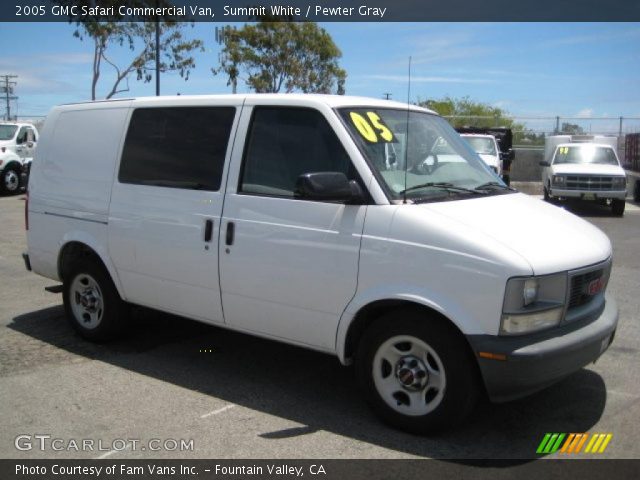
(584,167)
(17,145)
(487,147)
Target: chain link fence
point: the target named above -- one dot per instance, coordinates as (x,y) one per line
(529,133)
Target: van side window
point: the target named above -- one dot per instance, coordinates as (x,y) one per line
(283,144)
(181,147)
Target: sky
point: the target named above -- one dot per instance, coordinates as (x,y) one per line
(528,69)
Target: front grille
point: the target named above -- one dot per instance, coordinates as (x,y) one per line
(589,182)
(579,287)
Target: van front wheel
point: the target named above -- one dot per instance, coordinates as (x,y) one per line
(416,372)
(92,303)
(10,181)
(617,207)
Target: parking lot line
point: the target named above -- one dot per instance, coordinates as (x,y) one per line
(216,412)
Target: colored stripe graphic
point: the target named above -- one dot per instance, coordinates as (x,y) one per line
(573,443)
(550,443)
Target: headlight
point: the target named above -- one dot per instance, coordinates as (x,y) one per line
(559,179)
(619,182)
(532,322)
(533,303)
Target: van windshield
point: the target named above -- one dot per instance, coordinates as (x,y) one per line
(582,154)
(419,156)
(7,131)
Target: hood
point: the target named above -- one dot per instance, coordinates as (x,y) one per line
(587,169)
(490,160)
(549,238)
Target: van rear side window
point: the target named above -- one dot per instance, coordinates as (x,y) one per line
(182,147)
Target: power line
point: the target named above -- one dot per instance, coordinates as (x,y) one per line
(7,89)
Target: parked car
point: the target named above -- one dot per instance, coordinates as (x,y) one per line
(361,228)
(17,145)
(584,167)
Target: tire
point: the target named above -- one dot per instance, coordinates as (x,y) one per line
(547,198)
(617,207)
(92,303)
(417,373)
(10,182)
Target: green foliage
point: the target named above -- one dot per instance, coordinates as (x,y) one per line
(464,112)
(139,38)
(571,129)
(275,56)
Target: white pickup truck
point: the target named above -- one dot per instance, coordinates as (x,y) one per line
(17,145)
(584,167)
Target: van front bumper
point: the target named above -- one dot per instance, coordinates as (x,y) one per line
(535,361)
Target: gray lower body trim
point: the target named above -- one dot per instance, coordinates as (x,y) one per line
(536,361)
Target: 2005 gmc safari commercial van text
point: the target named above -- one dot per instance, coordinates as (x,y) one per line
(357,227)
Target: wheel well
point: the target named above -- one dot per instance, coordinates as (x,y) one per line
(370,313)
(13,164)
(74,252)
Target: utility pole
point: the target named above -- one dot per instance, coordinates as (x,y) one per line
(157,57)
(7,88)
(387,96)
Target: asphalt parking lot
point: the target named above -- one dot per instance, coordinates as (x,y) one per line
(238,396)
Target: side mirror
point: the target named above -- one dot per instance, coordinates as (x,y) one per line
(508,155)
(544,164)
(327,186)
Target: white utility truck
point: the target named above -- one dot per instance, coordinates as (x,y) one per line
(17,145)
(487,147)
(584,167)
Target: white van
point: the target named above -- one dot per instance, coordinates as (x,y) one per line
(327,222)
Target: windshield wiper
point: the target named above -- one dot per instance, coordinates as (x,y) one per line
(449,187)
(494,185)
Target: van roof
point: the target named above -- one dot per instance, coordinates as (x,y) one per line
(333,101)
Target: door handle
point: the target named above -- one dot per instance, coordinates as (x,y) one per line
(208,230)
(231,230)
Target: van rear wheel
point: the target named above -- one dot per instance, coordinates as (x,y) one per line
(92,303)
(416,372)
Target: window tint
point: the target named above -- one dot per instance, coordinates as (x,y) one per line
(283,144)
(180,147)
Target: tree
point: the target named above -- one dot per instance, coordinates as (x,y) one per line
(139,38)
(277,56)
(464,112)
(571,129)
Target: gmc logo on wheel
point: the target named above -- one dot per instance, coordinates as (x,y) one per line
(595,286)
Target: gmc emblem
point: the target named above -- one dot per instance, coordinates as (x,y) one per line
(595,286)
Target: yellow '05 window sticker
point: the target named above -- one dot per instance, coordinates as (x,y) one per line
(372,128)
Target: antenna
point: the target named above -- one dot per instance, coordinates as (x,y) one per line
(406,140)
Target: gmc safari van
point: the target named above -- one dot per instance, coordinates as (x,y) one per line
(356,227)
